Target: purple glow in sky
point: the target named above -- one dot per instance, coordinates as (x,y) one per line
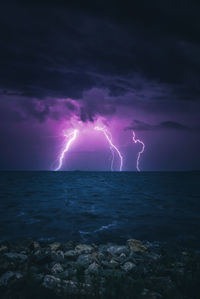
(71,137)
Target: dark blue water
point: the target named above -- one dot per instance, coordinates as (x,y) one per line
(101,206)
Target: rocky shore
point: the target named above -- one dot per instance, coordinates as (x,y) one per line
(71,270)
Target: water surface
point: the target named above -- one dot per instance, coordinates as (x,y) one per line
(101,206)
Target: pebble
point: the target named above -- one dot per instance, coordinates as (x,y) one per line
(57,268)
(74,268)
(128,266)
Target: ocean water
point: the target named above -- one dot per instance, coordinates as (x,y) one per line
(101,206)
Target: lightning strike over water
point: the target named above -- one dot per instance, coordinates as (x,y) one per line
(112,146)
(140,152)
(70,138)
(112,151)
(73,136)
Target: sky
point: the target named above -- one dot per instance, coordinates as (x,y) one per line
(120,65)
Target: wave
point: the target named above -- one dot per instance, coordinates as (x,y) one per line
(106,227)
(100,229)
(21,214)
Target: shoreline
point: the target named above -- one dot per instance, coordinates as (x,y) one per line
(135,269)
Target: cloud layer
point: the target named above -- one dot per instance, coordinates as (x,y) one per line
(149,57)
(135,64)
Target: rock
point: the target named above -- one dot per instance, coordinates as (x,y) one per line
(95,256)
(3,248)
(34,245)
(104,247)
(137,257)
(37,252)
(106,264)
(113,263)
(71,254)
(16,256)
(92,269)
(145,292)
(8,276)
(110,265)
(100,256)
(136,245)
(84,259)
(155,273)
(57,268)
(122,256)
(65,274)
(128,266)
(51,281)
(83,248)
(69,245)
(57,256)
(117,250)
(4,279)
(42,258)
(18,275)
(54,246)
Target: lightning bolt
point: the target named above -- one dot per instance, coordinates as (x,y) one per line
(112,150)
(140,152)
(108,136)
(73,136)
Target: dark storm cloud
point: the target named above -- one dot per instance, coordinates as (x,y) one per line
(96,101)
(173,125)
(63,50)
(138,125)
(32,110)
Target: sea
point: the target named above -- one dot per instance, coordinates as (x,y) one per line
(100,207)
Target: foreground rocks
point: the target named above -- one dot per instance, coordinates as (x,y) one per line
(72,270)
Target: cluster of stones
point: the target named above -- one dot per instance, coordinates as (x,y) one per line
(72,268)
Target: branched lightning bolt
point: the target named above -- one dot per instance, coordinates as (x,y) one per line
(140,152)
(70,138)
(73,136)
(112,146)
